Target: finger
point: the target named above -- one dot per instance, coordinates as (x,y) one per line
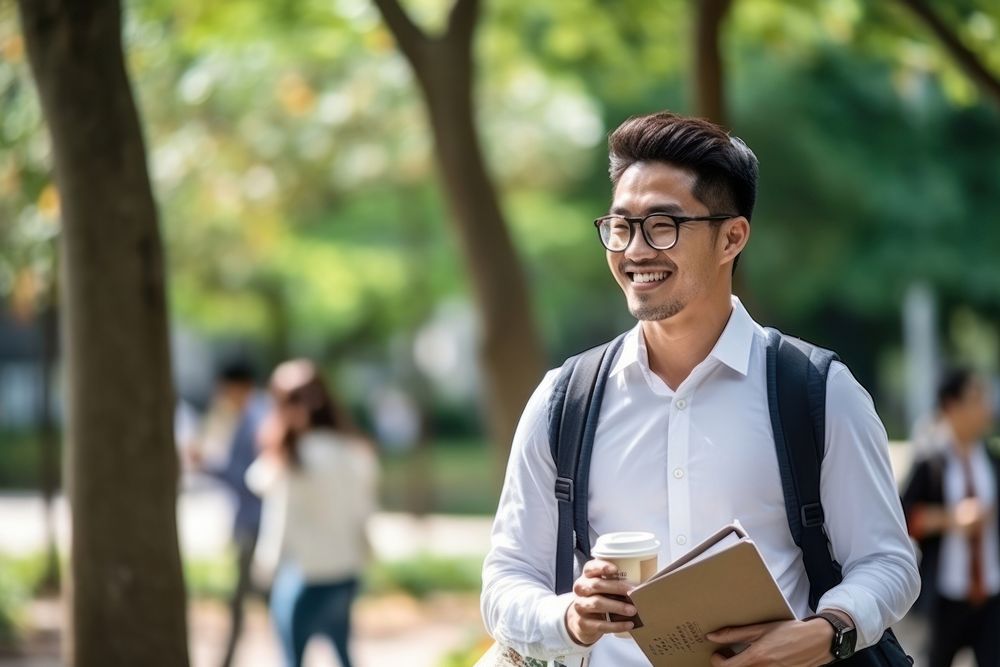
(591,625)
(745,633)
(599,604)
(598,568)
(719,660)
(586,586)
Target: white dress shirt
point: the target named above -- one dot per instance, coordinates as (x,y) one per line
(683,463)
(953,570)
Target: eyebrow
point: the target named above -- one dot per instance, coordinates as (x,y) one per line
(670,208)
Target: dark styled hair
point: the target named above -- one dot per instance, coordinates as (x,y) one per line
(725,168)
(236,371)
(953,385)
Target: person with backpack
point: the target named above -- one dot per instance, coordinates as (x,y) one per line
(950,502)
(695,417)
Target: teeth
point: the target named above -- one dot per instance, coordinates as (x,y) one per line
(648,277)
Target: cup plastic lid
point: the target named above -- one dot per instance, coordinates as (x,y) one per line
(626,544)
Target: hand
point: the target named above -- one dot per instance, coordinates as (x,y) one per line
(191,459)
(586,617)
(969,516)
(785,643)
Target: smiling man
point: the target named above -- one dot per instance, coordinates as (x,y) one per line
(684,441)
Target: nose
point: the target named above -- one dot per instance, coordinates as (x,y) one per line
(637,247)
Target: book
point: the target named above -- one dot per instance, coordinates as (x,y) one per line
(722,582)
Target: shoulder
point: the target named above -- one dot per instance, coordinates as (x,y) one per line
(841,385)
(852,422)
(324,447)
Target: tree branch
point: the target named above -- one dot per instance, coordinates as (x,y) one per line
(409,36)
(988,82)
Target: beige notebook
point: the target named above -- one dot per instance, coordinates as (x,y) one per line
(722,582)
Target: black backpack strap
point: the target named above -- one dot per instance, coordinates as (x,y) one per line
(574,409)
(796,390)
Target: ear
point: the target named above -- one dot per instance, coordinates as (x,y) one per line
(733,237)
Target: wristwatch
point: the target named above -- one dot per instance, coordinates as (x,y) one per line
(845,637)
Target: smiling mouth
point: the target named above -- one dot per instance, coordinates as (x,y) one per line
(648,277)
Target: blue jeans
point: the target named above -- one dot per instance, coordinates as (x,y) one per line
(300,610)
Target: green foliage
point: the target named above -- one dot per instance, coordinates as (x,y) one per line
(20,459)
(423,575)
(418,576)
(19,580)
(210,577)
(467,655)
(454,476)
(295,171)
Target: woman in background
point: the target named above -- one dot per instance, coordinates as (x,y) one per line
(317,477)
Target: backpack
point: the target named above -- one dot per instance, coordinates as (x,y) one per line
(796,392)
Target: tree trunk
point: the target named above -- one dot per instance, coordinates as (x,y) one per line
(511,353)
(709,85)
(128,598)
(710,93)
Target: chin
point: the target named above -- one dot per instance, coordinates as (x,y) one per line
(650,312)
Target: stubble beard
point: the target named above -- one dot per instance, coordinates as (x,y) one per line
(655,311)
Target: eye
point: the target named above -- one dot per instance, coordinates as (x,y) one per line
(659,223)
(619,226)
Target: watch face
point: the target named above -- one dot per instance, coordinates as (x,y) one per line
(846,640)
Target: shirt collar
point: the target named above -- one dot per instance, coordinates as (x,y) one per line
(732,349)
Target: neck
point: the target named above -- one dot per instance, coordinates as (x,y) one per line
(962,441)
(677,344)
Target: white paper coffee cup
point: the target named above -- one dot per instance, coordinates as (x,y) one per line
(634,553)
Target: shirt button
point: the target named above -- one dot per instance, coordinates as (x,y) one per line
(682,540)
(678,473)
(681,404)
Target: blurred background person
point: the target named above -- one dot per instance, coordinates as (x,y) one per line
(243,405)
(950,502)
(317,477)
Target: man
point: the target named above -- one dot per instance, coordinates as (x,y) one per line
(951,510)
(684,442)
(237,394)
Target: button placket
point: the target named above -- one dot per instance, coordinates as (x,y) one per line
(678,489)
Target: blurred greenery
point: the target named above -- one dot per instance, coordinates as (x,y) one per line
(20,578)
(294,172)
(425,574)
(461,478)
(20,453)
(418,576)
(210,577)
(467,655)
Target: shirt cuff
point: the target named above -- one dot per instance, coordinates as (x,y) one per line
(859,605)
(552,617)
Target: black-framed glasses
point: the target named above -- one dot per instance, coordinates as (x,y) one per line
(660,230)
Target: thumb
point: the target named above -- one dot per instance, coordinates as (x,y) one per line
(745,633)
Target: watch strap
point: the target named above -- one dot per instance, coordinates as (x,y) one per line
(836,621)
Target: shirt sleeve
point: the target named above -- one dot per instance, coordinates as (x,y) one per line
(864,518)
(519,607)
